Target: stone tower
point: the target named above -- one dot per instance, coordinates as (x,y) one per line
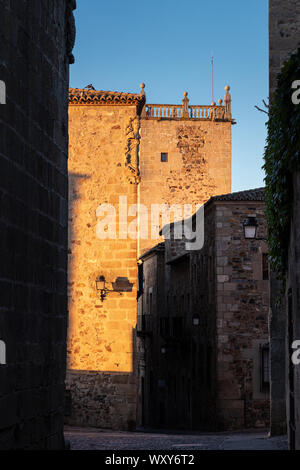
(122,149)
(101,333)
(185,154)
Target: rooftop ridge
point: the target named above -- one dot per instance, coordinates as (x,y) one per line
(256,194)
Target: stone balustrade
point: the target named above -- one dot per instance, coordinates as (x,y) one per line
(214,112)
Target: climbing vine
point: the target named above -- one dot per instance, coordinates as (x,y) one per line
(282,158)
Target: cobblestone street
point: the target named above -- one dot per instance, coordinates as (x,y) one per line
(96,439)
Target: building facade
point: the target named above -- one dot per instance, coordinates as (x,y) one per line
(104,138)
(129,155)
(36,49)
(185,156)
(203,324)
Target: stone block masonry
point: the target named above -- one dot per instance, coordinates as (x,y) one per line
(284,24)
(116,147)
(101,359)
(242,316)
(198,162)
(203,331)
(36,42)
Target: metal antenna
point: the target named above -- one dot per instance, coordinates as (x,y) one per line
(212,76)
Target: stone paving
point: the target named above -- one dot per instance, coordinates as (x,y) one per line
(98,439)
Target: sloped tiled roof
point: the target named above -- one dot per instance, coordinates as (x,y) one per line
(160,247)
(100,97)
(248,195)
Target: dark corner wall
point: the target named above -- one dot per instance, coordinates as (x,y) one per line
(284,24)
(36,40)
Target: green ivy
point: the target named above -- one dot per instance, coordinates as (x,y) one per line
(282,158)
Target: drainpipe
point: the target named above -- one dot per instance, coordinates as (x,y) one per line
(143,113)
(138,195)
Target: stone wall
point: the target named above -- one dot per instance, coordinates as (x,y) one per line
(101,335)
(151,307)
(284,25)
(198,166)
(36,44)
(213,326)
(204,309)
(277,333)
(242,317)
(113,153)
(177,349)
(293,323)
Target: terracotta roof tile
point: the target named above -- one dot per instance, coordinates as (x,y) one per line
(100,97)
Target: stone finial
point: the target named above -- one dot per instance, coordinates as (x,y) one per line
(227,103)
(142,93)
(142,85)
(185,106)
(220,102)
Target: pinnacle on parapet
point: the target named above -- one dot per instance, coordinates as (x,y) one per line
(142,85)
(185,105)
(227,102)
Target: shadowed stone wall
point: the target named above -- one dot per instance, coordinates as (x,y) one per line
(241,318)
(293,322)
(36,43)
(212,324)
(284,26)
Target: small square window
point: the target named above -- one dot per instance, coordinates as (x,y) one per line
(163,157)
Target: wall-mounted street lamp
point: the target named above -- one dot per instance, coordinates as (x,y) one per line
(250,227)
(163,349)
(196,320)
(101,287)
(120,285)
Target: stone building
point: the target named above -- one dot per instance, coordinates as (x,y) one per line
(36,49)
(284,24)
(126,152)
(103,133)
(185,155)
(203,324)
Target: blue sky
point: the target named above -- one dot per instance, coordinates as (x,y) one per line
(167,44)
